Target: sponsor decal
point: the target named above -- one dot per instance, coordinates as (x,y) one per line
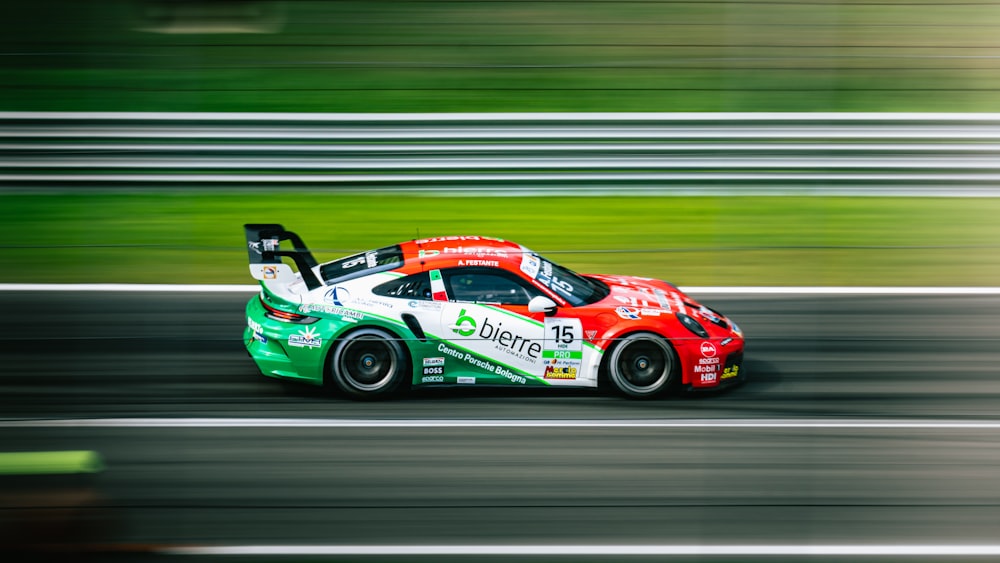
(646,309)
(478,362)
(432,379)
(306,338)
(338,296)
(513,377)
(708,377)
(428,305)
(680,303)
(457,239)
(493,331)
(708,361)
(661,300)
(563,353)
(653,312)
(626,299)
(531,264)
(557,355)
(465,379)
(477,251)
(268,245)
(465,325)
(450,351)
(433,366)
(258,331)
(730,372)
(708,314)
(627,313)
(726,341)
(348,315)
(506,341)
(427,253)
(270,272)
(708,349)
(552,372)
(482,364)
(711,368)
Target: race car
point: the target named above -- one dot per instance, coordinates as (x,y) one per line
(474,311)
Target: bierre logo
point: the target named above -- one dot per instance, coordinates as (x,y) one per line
(504,339)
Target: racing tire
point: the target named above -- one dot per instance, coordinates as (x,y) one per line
(368,364)
(642,365)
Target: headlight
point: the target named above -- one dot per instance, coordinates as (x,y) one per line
(692,325)
(735,327)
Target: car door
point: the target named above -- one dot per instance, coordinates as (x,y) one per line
(488,328)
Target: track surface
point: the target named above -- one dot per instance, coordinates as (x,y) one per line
(144,355)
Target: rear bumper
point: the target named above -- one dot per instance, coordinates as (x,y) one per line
(264,341)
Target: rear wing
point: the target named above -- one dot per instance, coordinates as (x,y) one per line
(263,249)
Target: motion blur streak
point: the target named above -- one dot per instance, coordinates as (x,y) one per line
(475,55)
(580,550)
(527,154)
(481,423)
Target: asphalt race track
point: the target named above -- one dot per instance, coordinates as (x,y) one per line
(868,421)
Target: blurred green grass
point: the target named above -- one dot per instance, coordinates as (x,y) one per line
(431,56)
(191,237)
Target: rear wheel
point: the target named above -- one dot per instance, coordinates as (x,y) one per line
(368,364)
(642,365)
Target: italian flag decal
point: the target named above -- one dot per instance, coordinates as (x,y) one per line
(437,286)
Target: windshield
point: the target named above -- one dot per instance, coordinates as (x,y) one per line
(577,290)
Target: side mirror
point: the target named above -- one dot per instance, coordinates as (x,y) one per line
(542,304)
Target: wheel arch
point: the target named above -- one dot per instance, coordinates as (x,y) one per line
(613,339)
(393,330)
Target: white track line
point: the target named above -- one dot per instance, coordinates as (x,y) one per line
(599,550)
(776,290)
(505,117)
(911,424)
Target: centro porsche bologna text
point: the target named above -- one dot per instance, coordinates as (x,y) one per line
(482,364)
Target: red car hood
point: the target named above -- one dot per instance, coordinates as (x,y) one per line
(631,291)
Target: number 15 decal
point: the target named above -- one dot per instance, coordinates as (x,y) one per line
(563,334)
(562,353)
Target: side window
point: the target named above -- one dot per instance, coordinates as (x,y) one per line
(416,286)
(486,285)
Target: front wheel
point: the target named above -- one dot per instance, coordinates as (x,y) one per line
(368,364)
(642,365)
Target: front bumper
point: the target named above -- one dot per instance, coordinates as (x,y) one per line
(728,372)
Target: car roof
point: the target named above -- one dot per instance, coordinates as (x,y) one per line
(468,250)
